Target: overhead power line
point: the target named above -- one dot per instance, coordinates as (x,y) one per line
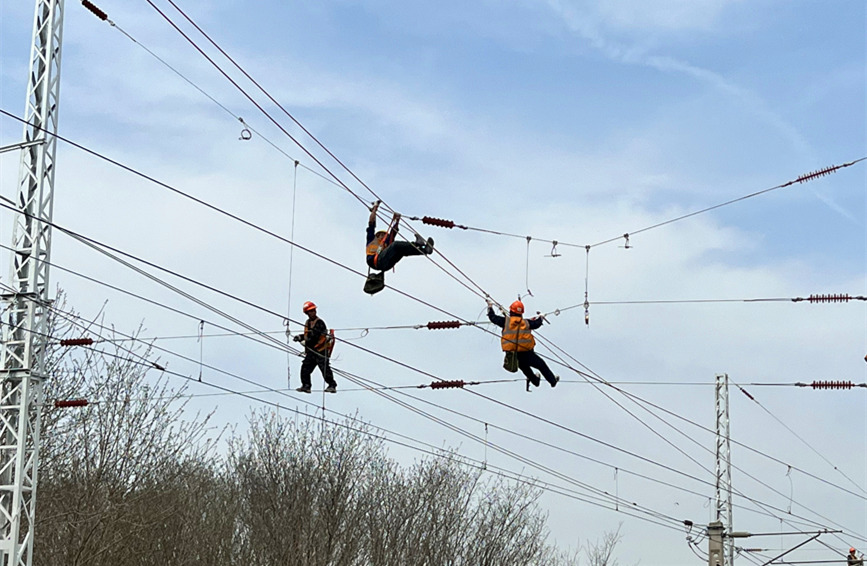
(800,180)
(438,378)
(606,498)
(449,224)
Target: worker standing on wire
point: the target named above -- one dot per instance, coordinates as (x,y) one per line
(853,560)
(383,252)
(517,337)
(318,344)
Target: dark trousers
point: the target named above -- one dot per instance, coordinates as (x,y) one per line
(395,252)
(314,359)
(529,360)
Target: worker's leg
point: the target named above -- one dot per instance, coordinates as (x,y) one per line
(307,368)
(527,368)
(325,367)
(389,257)
(532,359)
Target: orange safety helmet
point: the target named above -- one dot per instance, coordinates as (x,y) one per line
(517,307)
(852,549)
(309,306)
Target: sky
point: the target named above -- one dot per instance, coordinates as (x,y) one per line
(575,121)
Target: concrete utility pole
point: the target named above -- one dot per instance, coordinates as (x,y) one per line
(715,544)
(25,309)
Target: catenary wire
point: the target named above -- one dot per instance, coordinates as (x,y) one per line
(798,436)
(417,399)
(334,179)
(405,365)
(859,536)
(422,372)
(800,179)
(192,360)
(594,500)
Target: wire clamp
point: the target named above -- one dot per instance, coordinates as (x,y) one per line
(246,134)
(554,252)
(626,242)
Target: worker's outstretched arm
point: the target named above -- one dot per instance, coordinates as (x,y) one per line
(373,209)
(495,318)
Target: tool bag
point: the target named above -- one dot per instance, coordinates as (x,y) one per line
(329,343)
(510,362)
(375,282)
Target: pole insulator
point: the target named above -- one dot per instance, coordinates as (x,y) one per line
(76,342)
(842,298)
(63,404)
(438,222)
(832,385)
(96,11)
(447,384)
(438,325)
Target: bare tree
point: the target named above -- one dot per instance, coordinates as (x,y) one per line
(111,473)
(302,491)
(133,479)
(601,553)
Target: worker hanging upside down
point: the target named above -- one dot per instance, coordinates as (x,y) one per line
(518,337)
(317,350)
(383,252)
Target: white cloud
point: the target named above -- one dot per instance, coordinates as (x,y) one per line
(665,15)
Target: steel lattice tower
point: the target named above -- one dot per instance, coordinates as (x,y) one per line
(25,309)
(724,467)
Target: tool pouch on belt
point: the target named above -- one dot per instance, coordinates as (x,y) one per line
(375,283)
(510,363)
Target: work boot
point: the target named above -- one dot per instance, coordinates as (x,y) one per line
(331,389)
(428,249)
(303,389)
(420,243)
(538,378)
(528,385)
(556,381)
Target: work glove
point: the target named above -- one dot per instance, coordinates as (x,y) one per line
(298,338)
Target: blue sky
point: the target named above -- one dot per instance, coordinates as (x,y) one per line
(568,120)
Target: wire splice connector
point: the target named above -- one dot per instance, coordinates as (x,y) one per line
(76,342)
(457,383)
(437,325)
(63,404)
(96,11)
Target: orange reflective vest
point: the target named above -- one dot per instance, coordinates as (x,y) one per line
(517,336)
(321,344)
(375,246)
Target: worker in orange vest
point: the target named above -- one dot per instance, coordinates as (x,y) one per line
(317,350)
(383,252)
(518,337)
